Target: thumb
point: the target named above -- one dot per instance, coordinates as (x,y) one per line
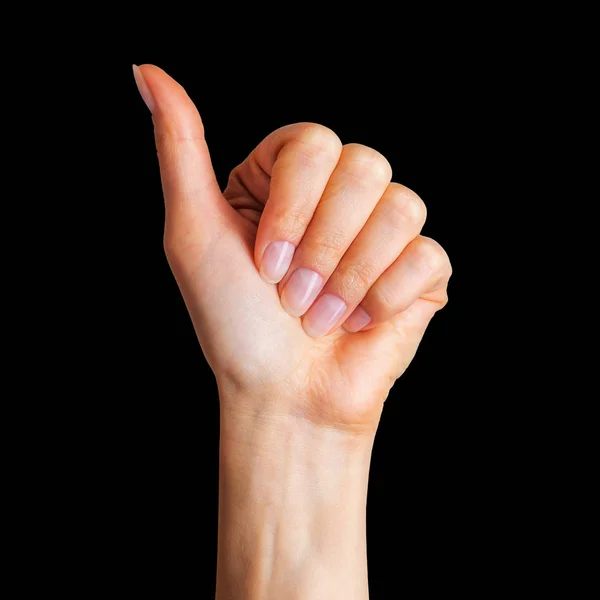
(190,188)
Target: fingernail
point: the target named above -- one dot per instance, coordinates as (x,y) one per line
(323,315)
(357,320)
(300,291)
(143,88)
(276,261)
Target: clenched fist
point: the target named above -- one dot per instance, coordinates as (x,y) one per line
(307,279)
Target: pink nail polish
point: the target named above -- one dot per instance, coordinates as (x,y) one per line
(276,261)
(357,320)
(143,88)
(323,315)
(300,291)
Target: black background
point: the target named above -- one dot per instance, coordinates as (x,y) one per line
(156,466)
(119,427)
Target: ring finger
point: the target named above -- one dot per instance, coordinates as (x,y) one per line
(421,271)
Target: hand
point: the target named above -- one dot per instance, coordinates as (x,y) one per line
(307,281)
(310,288)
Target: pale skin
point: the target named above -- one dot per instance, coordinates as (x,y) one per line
(310,288)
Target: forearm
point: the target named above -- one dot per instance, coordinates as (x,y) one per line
(292,510)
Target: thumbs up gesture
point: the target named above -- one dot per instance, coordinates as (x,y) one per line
(307,279)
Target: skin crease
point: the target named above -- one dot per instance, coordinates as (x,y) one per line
(298,414)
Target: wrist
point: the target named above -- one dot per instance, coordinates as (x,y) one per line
(292,507)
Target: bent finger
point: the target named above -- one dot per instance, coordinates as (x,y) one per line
(421,271)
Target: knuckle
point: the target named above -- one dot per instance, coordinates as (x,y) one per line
(168,139)
(442,298)
(291,223)
(447,269)
(405,207)
(318,141)
(327,249)
(368,163)
(432,254)
(385,302)
(356,279)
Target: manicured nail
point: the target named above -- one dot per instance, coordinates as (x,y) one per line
(276,261)
(323,315)
(300,291)
(143,88)
(357,320)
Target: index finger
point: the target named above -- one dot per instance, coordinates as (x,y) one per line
(287,174)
